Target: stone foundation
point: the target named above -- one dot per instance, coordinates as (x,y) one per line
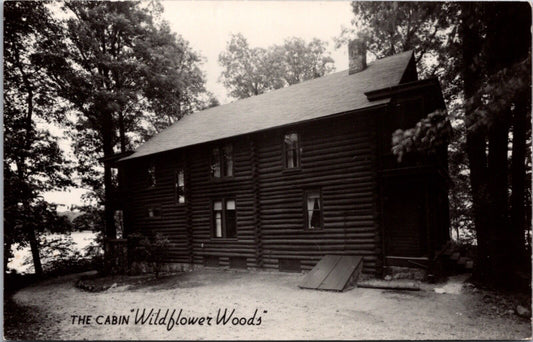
(144,267)
(397,272)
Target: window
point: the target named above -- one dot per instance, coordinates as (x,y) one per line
(313,210)
(114,177)
(211,260)
(238,262)
(151,175)
(215,163)
(222,161)
(224,219)
(180,186)
(291,151)
(227,160)
(118,217)
(289,265)
(153,212)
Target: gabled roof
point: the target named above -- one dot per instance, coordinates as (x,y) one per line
(328,95)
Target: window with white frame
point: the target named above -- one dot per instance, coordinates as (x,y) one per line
(222,161)
(180,186)
(313,209)
(224,220)
(291,150)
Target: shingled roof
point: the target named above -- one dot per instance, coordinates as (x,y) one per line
(328,95)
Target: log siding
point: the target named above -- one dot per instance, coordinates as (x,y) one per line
(345,157)
(337,157)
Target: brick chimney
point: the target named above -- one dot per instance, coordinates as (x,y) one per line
(357,56)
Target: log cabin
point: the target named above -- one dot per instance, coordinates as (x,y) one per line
(281,179)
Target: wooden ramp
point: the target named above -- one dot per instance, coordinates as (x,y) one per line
(334,273)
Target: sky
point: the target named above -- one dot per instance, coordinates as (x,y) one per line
(208,25)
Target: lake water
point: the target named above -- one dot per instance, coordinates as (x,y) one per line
(19,261)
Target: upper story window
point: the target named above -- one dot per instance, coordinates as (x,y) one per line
(114,177)
(291,148)
(313,209)
(224,219)
(180,186)
(154,212)
(222,161)
(151,175)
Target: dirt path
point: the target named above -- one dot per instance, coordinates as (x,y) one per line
(286,311)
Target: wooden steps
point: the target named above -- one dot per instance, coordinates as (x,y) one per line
(462,261)
(455,262)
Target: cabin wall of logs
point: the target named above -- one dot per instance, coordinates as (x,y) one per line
(337,158)
(340,158)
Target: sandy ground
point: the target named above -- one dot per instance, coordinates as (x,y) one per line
(286,311)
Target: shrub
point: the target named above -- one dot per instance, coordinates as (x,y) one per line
(149,250)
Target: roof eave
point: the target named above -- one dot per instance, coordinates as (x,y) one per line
(383,103)
(379,94)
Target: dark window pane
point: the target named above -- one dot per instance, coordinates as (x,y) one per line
(224,219)
(154,212)
(119,223)
(218,224)
(151,175)
(215,163)
(180,186)
(290,159)
(314,211)
(231,224)
(217,213)
(291,150)
(291,140)
(114,177)
(181,178)
(227,159)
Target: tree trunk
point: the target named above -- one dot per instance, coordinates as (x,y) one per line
(475,148)
(489,173)
(32,236)
(21,166)
(508,29)
(34,245)
(107,136)
(518,175)
(499,237)
(122,132)
(475,141)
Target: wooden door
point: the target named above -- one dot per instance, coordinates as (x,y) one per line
(405,217)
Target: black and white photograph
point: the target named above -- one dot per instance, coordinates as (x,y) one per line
(267,170)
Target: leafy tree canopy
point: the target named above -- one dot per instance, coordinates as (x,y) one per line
(117,60)
(252,71)
(125,76)
(33,161)
(481,54)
